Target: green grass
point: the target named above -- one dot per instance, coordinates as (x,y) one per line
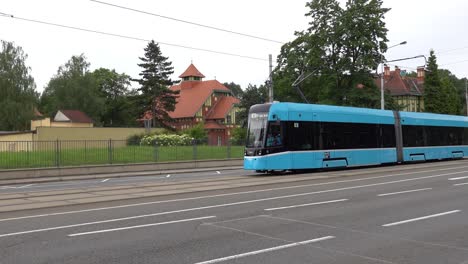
(117,155)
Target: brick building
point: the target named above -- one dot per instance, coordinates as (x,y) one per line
(209,102)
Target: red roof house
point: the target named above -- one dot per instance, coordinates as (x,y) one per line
(73,117)
(209,102)
(407,91)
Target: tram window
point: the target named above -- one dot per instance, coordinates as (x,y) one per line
(274,137)
(388,136)
(302,135)
(418,136)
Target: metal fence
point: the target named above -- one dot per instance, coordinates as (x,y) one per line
(58,153)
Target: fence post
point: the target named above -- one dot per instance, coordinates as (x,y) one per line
(228,149)
(194,148)
(27,151)
(155,152)
(109,151)
(57,153)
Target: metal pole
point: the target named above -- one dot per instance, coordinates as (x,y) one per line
(466,95)
(382,100)
(270,94)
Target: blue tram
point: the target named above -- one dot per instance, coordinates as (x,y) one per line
(293,136)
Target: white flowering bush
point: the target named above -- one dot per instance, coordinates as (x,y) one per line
(166,140)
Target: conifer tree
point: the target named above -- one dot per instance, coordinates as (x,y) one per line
(155,95)
(433,96)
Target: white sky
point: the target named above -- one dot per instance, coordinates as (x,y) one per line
(424,24)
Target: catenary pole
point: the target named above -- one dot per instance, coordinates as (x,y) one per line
(270,92)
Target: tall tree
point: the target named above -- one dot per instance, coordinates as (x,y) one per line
(339,50)
(235,89)
(433,95)
(155,95)
(18,96)
(115,88)
(73,87)
(251,96)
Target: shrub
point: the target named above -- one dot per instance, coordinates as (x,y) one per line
(166,140)
(134,139)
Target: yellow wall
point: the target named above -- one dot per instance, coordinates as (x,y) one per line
(16,142)
(40,123)
(47,123)
(87,133)
(70,124)
(411,103)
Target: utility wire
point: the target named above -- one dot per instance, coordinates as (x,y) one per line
(455,62)
(187,22)
(450,50)
(127,37)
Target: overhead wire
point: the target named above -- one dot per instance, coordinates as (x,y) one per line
(187,22)
(128,37)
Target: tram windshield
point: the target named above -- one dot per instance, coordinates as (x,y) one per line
(257,129)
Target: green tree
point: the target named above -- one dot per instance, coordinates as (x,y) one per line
(155,95)
(197,132)
(239,134)
(433,95)
(339,50)
(251,96)
(18,96)
(73,87)
(115,88)
(235,89)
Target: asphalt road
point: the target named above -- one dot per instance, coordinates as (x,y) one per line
(411,215)
(124,180)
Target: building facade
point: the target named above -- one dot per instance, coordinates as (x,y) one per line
(407,91)
(208,102)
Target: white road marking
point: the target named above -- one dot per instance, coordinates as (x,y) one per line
(409,191)
(218,172)
(303,205)
(105,180)
(421,218)
(458,184)
(458,178)
(140,226)
(8,187)
(265,250)
(255,191)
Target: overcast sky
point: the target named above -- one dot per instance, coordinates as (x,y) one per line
(424,24)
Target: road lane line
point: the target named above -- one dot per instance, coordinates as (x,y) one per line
(303,205)
(421,218)
(458,184)
(24,186)
(409,191)
(140,226)
(265,250)
(105,180)
(458,178)
(248,192)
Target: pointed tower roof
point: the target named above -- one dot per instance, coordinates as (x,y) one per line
(192,71)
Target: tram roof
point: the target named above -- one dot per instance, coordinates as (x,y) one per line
(329,113)
(429,119)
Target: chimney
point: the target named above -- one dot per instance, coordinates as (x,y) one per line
(397,71)
(421,72)
(387,71)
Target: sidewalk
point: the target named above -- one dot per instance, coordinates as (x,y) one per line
(21,176)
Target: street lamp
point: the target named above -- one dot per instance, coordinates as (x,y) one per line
(382,100)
